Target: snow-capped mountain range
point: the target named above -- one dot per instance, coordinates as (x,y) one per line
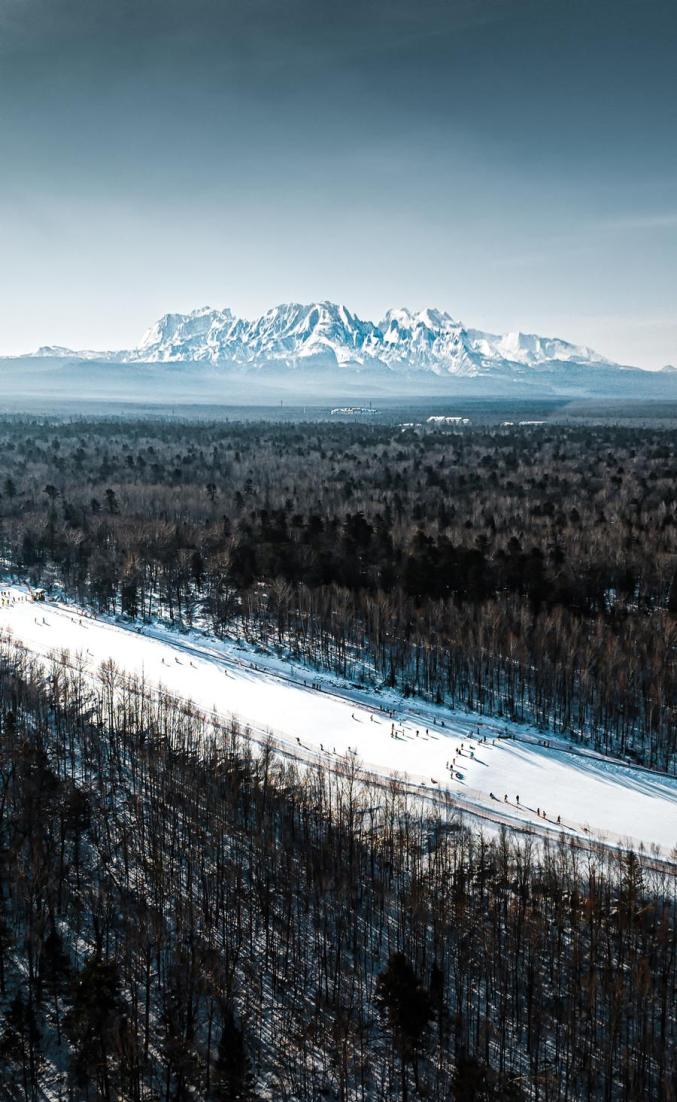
(323,334)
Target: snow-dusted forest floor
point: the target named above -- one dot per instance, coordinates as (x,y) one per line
(478,761)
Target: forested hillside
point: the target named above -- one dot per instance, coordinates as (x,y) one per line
(182,917)
(525,571)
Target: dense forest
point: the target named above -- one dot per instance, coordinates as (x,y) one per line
(186,915)
(528,571)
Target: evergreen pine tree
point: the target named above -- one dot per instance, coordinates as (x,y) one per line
(233,1078)
(406,1005)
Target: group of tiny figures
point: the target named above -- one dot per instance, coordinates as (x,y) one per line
(539,811)
(9,597)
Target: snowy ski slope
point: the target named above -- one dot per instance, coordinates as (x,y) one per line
(594,797)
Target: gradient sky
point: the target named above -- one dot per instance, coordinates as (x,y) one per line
(511,161)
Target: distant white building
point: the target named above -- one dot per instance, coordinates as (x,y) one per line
(441,420)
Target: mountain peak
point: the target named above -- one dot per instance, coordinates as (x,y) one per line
(429,316)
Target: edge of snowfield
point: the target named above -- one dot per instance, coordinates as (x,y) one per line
(313,716)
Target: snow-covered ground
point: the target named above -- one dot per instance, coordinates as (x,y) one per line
(311,713)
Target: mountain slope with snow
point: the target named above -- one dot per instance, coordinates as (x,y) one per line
(404,342)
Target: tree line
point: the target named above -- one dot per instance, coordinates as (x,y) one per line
(528,572)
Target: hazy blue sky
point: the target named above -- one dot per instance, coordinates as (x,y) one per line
(512,161)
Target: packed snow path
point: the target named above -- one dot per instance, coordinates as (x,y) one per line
(527,781)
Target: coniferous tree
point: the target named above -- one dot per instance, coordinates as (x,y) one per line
(405,1003)
(233,1080)
(94,1025)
